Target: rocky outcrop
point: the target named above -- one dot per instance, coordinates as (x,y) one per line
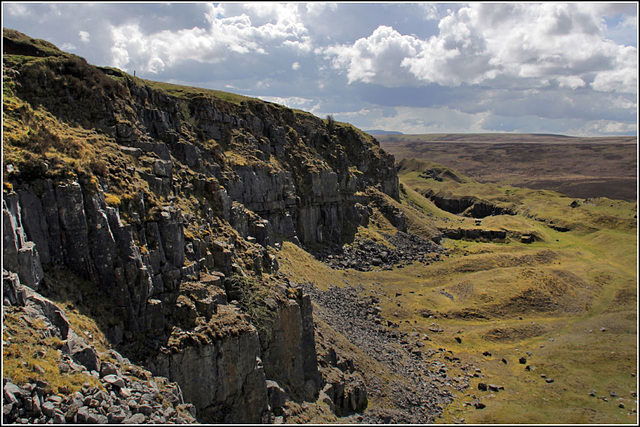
(286,167)
(469,206)
(289,350)
(188,194)
(18,253)
(225,379)
(474,234)
(118,395)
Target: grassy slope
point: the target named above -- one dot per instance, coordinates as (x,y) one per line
(588,272)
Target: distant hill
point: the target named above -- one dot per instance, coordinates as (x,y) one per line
(383,132)
(577,166)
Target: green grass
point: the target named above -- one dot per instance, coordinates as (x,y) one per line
(37,47)
(589,273)
(190,92)
(600,256)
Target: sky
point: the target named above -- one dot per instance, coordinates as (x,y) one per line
(566,68)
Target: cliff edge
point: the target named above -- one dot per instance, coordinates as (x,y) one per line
(155,211)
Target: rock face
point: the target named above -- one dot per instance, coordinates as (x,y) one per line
(474,233)
(222,378)
(225,380)
(467,206)
(187,190)
(119,398)
(289,350)
(19,254)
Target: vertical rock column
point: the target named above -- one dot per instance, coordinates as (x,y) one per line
(19,254)
(224,379)
(289,350)
(74,231)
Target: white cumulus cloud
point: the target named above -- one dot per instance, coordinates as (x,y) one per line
(533,44)
(377,58)
(225,36)
(85,37)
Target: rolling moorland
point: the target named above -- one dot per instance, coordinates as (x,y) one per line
(178,255)
(576,166)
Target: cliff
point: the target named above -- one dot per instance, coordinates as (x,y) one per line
(161,206)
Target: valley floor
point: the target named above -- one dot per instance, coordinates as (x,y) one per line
(537,327)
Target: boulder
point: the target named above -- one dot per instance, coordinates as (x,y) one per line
(12,290)
(136,419)
(29,266)
(107,368)
(114,380)
(276,396)
(51,311)
(81,352)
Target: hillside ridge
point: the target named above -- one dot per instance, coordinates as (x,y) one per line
(155,211)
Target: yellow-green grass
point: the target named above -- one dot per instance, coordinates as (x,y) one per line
(603,264)
(188,92)
(587,273)
(605,261)
(547,206)
(302,267)
(29,355)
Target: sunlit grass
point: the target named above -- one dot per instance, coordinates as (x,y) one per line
(588,274)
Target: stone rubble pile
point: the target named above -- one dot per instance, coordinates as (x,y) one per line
(117,400)
(117,397)
(366,255)
(422,397)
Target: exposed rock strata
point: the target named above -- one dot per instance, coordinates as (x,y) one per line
(467,205)
(189,197)
(474,233)
(225,380)
(119,397)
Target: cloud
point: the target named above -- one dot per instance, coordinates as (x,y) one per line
(608,128)
(376,59)
(526,44)
(575,127)
(623,77)
(430,10)
(306,104)
(623,30)
(415,120)
(16,9)
(68,47)
(85,37)
(572,82)
(318,8)
(403,66)
(224,38)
